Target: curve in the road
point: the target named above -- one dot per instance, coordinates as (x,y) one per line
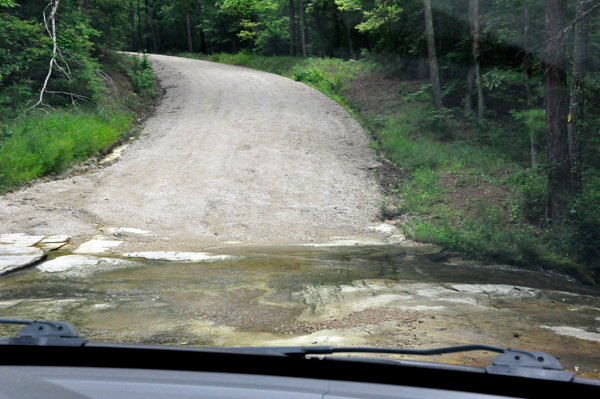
(230,154)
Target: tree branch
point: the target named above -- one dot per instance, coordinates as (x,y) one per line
(52,19)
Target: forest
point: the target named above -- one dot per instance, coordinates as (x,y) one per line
(476,96)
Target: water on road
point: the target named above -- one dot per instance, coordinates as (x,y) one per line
(297,295)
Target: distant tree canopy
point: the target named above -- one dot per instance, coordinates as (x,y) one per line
(510,33)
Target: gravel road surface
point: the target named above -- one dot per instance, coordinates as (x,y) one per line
(231,154)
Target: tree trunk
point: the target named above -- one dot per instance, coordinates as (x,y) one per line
(532,139)
(556,112)
(159,34)
(350,38)
(433,66)
(292,28)
(321,28)
(469,91)
(302,28)
(153,30)
(139,27)
(528,96)
(132,22)
(422,68)
(475,32)
(149,15)
(189,30)
(577,86)
(109,34)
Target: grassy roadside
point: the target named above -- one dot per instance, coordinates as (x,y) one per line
(447,188)
(42,142)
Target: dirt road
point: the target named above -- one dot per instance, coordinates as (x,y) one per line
(232,154)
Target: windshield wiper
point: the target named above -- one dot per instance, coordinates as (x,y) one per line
(44,333)
(510,362)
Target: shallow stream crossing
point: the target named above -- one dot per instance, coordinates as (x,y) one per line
(297,295)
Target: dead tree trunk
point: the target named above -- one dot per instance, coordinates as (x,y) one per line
(577,86)
(556,111)
(475,32)
(302,28)
(51,29)
(436,88)
(292,28)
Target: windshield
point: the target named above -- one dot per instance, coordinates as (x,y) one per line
(386,173)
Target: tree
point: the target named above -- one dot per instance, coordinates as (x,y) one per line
(380,17)
(436,88)
(52,32)
(292,6)
(528,96)
(348,7)
(559,186)
(476,71)
(189,27)
(575,117)
(302,28)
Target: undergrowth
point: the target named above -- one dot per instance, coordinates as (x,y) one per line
(41,142)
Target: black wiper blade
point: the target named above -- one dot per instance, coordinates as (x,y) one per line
(329,350)
(44,333)
(510,362)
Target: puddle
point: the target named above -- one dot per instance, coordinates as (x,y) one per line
(116,153)
(294,295)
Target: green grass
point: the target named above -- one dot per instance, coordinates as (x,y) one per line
(48,143)
(43,142)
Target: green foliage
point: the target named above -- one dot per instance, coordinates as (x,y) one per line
(415,138)
(485,234)
(142,76)
(584,225)
(532,190)
(496,77)
(23,54)
(280,65)
(382,13)
(329,75)
(49,142)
